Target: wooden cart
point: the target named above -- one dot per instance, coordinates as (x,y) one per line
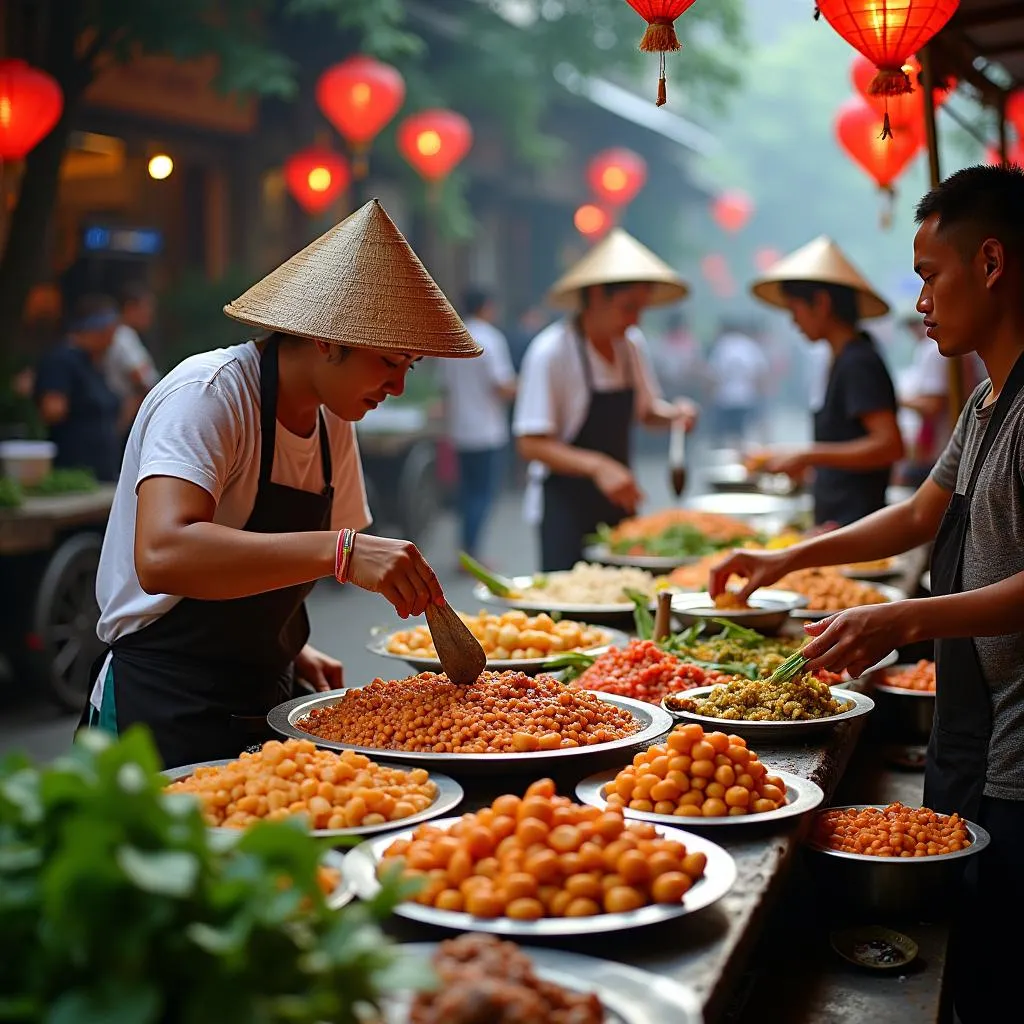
(49,553)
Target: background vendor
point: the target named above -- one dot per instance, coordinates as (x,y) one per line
(585,381)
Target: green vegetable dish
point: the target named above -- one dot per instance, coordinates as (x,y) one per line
(681,540)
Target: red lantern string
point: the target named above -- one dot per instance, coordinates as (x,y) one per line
(660,36)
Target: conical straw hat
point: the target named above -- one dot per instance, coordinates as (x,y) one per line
(361,285)
(821,262)
(618,259)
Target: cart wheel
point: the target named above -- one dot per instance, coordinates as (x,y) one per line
(65,617)
(419,498)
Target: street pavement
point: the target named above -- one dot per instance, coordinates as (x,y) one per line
(342,617)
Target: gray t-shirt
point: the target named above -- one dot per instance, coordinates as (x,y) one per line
(994,551)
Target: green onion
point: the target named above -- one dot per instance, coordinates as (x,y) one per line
(791,667)
(643,620)
(734,631)
(500,586)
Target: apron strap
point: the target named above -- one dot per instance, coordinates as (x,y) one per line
(1011,389)
(588,376)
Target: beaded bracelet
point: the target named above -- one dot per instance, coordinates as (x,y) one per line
(343,554)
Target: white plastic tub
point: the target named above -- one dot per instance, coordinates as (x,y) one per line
(26,462)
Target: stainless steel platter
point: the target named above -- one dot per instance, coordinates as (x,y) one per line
(868,676)
(449,796)
(719,876)
(769,609)
(890,593)
(656,563)
(802,796)
(894,567)
(535,602)
(628,994)
(531,666)
(652,720)
(861,704)
(345,891)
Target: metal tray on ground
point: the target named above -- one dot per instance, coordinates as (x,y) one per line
(529,666)
(757,732)
(719,877)
(802,796)
(652,720)
(890,593)
(449,796)
(628,994)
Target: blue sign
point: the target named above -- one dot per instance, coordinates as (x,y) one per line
(124,241)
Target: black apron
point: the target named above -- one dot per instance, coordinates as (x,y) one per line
(958,747)
(204,676)
(574,505)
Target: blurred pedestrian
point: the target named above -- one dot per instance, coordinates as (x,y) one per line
(81,412)
(739,371)
(128,366)
(478,393)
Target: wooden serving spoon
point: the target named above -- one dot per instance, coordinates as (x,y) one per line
(461,656)
(677,459)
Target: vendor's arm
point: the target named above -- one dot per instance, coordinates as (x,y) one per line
(880,447)
(652,409)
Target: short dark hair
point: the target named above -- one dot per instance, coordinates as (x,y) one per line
(844,300)
(133,291)
(979,202)
(475,299)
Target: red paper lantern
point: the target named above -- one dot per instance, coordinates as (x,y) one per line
(660,36)
(31,102)
(359,97)
(1015,111)
(316,177)
(766,258)
(716,272)
(732,209)
(434,141)
(887,32)
(591,220)
(1014,154)
(617,175)
(856,129)
(904,109)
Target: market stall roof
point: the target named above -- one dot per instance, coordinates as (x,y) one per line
(982,31)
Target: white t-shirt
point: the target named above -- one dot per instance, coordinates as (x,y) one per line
(201,423)
(738,367)
(125,357)
(553,399)
(477,417)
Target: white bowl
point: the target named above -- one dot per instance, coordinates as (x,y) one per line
(27,462)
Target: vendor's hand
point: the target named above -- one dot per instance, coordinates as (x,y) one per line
(618,485)
(323,673)
(793,464)
(858,638)
(686,413)
(397,571)
(758,568)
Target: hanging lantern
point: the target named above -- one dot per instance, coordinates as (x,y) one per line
(732,210)
(1014,154)
(434,141)
(617,175)
(660,37)
(906,108)
(359,97)
(716,272)
(1015,111)
(592,221)
(765,258)
(884,160)
(316,177)
(887,32)
(31,102)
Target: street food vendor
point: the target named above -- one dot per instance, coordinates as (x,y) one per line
(242,487)
(857,439)
(585,381)
(969,252)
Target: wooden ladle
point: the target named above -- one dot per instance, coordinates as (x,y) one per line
(461,656)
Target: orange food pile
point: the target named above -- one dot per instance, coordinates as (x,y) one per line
(502,712)
(893,831)
(643,670)
(544,856)
(697,774)
(717,527)
(920,677)
(282,779)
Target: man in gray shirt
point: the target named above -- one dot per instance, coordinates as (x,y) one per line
(969,253)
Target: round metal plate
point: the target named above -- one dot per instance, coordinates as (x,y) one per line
(535,602)
(719,876)
(531,666)
(653,722)
(768,608)
(849,943)
(628,994)
(902,691)
(866,676)
(862,704)
(449,796)
(802,796)
(345,891)
(892,567)
(656,563)
(889,592)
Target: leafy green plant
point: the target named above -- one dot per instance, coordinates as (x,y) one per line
(119,906)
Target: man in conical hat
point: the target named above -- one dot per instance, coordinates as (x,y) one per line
(857,439)
(585,381)
(241,487)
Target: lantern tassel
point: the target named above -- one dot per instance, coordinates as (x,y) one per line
(888,205)
(662,86)
(817,13)
(660,37)
(890,82)
(886,127)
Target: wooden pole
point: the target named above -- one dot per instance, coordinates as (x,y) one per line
(956,369)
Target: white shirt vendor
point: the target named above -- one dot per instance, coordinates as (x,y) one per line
(551,399)
(127,358)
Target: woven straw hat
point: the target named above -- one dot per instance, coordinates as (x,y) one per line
(618,259)
(820,262)
(361,285)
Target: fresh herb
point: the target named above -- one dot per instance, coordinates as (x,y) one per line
(734,631)
(118,904)
(64,481)
(572,664)
(500,586)
(643,620)
(791,667)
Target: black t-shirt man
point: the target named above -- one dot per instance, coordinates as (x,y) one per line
(858,384)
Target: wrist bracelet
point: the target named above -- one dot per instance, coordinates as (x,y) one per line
(343,554)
